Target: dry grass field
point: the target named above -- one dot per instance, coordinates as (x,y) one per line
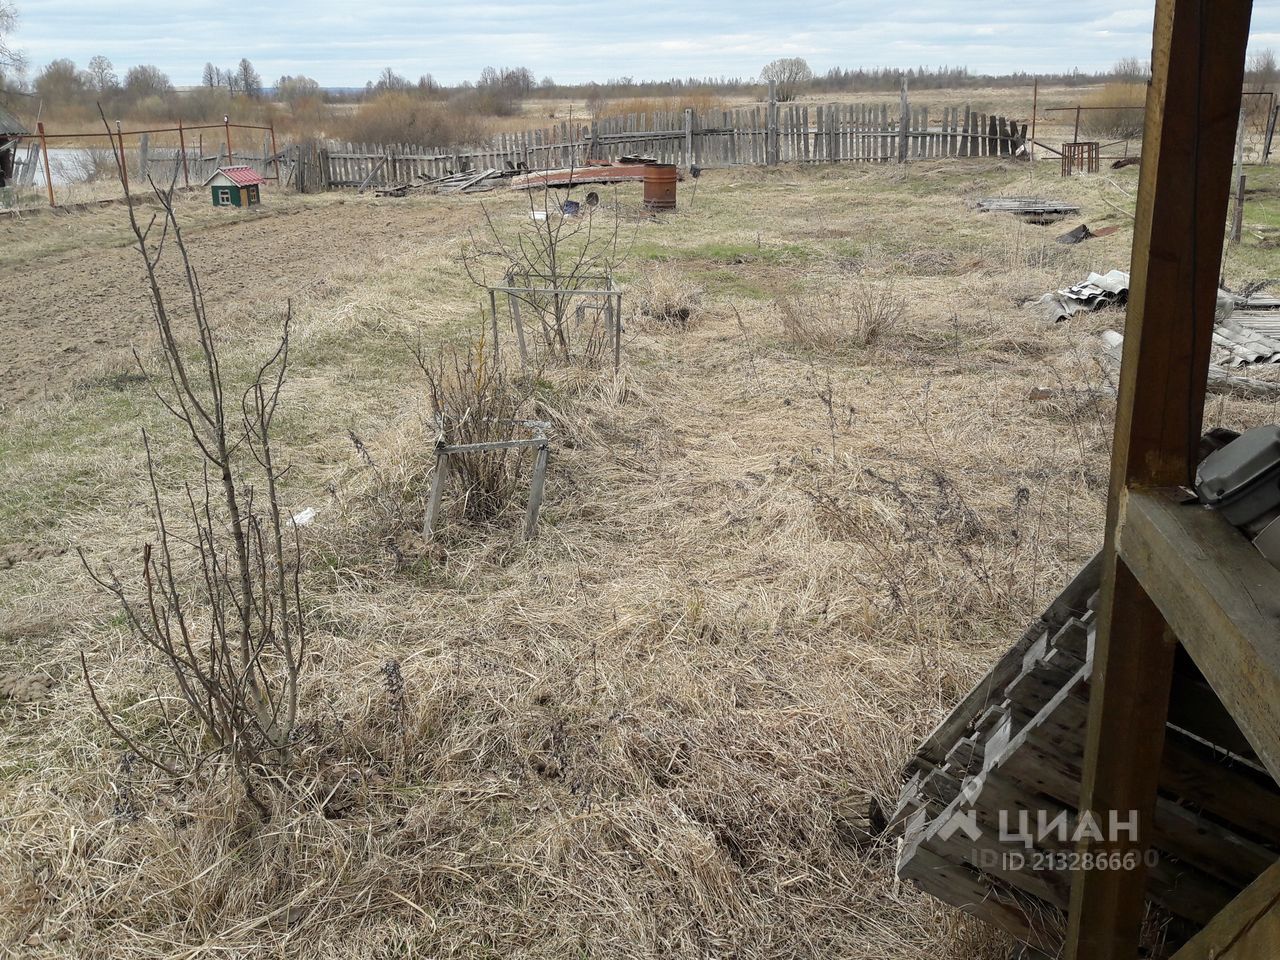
(775,549)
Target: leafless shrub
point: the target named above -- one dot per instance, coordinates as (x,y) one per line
(556,254)
(855,316)
(1113,119)
(219,601)
(473,400)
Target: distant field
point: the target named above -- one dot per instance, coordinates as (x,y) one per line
(765,569)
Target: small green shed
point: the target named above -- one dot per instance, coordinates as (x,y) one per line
(235,187)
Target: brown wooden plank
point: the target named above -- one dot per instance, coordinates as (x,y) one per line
(1222,599)
(1248,928)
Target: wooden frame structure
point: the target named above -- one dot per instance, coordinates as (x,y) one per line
(1175,574)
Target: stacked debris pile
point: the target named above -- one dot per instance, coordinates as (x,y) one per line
(1031,209)
(469,181)
(989,812)
(1098,290)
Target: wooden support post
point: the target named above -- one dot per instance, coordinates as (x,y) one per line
(1075,137)
(226,125)
(688,137)
(44,155)
(182,150)
(1177,249)
(437,493)
(903,122)
(535,492)
(1237,179)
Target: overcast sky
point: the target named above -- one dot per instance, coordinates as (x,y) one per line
(347,43)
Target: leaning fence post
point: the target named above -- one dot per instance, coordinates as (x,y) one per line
(688,137)
(535,493)
(437,492)
(44,155)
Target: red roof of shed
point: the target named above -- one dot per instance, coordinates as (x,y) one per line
(241,176)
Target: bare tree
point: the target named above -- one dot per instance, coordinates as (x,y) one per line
(102,74)
(250,83)
(789,75)
(211,77)
(233,633)
(9,57)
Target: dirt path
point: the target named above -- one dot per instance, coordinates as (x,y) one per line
(68,313)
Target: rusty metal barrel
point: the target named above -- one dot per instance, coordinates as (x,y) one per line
(660,186)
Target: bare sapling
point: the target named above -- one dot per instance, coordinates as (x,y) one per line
(563,247)
(219,598)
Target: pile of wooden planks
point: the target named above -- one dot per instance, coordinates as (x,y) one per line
(1008,762)
(470,181)
(1032,209)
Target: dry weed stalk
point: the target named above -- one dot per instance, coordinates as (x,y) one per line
(234,641)
(474,400)
(856,316)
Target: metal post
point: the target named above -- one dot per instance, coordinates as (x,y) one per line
(1237,215)
(124,166)
(437,492)
(275,154)
(1271,129)
(1035,101)
(44,154)
(1076,136)
(182,148)
(493,317)
(535,493)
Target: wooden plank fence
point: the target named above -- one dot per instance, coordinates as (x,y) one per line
(766,135)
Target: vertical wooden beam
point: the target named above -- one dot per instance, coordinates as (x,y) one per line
(904,121)
(1197,71)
